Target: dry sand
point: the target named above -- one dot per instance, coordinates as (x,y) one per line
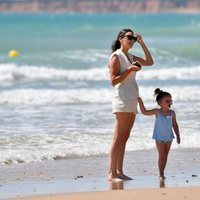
(138,194)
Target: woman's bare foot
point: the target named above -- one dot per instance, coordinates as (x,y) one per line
(124,177)
(113,177)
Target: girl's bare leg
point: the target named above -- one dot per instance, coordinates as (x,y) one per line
(163,150)
(167,148)
(117,146)
(161,157)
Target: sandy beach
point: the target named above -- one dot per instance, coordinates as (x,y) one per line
(55,105)
(139,194)
(48,180)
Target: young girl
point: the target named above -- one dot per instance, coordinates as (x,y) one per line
(165,121)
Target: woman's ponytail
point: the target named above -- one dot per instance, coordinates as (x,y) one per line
(115,45)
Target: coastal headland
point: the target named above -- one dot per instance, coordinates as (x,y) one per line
(100,6)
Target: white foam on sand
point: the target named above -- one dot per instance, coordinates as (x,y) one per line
(40,148)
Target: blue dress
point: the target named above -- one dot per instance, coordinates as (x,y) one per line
(163,127)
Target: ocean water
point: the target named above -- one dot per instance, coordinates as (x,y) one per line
(55,98)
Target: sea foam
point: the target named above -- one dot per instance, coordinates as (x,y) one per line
(14,73)
(43,147)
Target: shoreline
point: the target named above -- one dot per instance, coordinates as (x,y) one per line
(135,162)
(53,188)
(89,174)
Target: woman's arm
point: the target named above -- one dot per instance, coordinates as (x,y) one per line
(115,75)
(176,128)
(144,110)
(148,61)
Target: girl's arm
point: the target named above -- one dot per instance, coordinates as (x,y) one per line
(176,128)
(144,110)
(115,75)
(148,61)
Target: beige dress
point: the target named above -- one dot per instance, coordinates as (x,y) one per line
(126,92)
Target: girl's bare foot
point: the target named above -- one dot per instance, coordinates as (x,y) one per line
(162,177)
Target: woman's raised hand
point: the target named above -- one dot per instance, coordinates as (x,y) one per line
(139,38)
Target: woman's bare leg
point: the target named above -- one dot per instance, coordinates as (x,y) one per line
(122,124)
(122,147)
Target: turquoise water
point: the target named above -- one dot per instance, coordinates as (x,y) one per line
(48,39)
(55,98)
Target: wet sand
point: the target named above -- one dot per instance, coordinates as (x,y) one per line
(89,174)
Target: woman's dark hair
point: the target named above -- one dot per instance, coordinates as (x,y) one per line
(160,94)
(116,43)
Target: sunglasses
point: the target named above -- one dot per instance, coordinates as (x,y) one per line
(130,37)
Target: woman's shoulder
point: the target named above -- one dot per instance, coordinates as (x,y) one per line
(116,53)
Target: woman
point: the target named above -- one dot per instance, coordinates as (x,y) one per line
(123,68)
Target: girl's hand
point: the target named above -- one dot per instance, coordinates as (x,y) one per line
(178,139)
(139,100)
(139,38)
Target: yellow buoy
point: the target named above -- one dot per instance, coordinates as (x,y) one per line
(13,53)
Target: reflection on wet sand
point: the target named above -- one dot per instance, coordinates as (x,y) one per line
(116,184)
(162,183)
